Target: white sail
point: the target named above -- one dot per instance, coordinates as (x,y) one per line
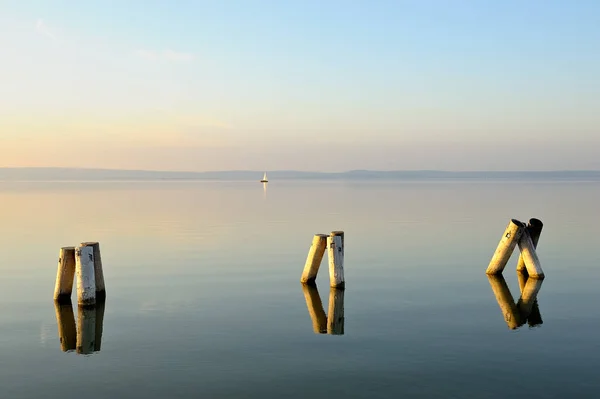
(265,177)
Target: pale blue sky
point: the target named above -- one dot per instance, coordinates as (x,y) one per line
(312,85)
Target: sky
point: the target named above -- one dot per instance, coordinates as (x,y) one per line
(306,85)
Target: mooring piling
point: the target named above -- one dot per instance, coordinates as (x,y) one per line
(506,246)
(313,261)
(334,243)
(529,256)
(65,319)
(65,274)
(518,234)
(98,272)
(336,261)
(534,227)
(86,283)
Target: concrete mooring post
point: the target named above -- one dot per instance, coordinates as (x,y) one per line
(65,274)
(98,272)
(534,227)
(530,258)
(86,282)
(313,261)
(506,246)
(336,261)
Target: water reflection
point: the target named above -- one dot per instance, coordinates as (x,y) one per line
(526,309)
(86,337)
(333,322)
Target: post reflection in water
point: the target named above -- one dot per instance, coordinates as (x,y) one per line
(525,309)
(333,322)
(86,337)
(65,319)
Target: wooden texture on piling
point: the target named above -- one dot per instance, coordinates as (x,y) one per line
(86,329)
(336,261)
(530,258)
(506,301)
(315,308)
(65,274)
(335,313)
(98,272)
(505,247)
(86,283)
(65,319)
(313,261)
(534,227)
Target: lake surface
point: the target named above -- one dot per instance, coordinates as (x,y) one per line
(204,298)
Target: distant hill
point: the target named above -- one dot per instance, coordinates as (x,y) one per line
(73,174)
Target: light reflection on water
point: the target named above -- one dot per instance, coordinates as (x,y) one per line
(204,297)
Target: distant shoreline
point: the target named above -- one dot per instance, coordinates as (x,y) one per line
(74,174)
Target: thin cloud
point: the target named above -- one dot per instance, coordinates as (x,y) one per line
(42,29)
(166,55)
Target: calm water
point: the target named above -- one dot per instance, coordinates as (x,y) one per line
(204,298)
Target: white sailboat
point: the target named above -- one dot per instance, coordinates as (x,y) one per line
(264,179)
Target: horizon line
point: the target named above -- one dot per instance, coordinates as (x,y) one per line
(295,170)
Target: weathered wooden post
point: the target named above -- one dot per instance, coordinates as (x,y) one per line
(100,306)
(335,314)
(65,274)
(86,329)
(505,301)
(65,319)
(86,282)
(98,272)
(315,308)
(313,261)
(506,246)
(534,227)
(530,258)
(336,260)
